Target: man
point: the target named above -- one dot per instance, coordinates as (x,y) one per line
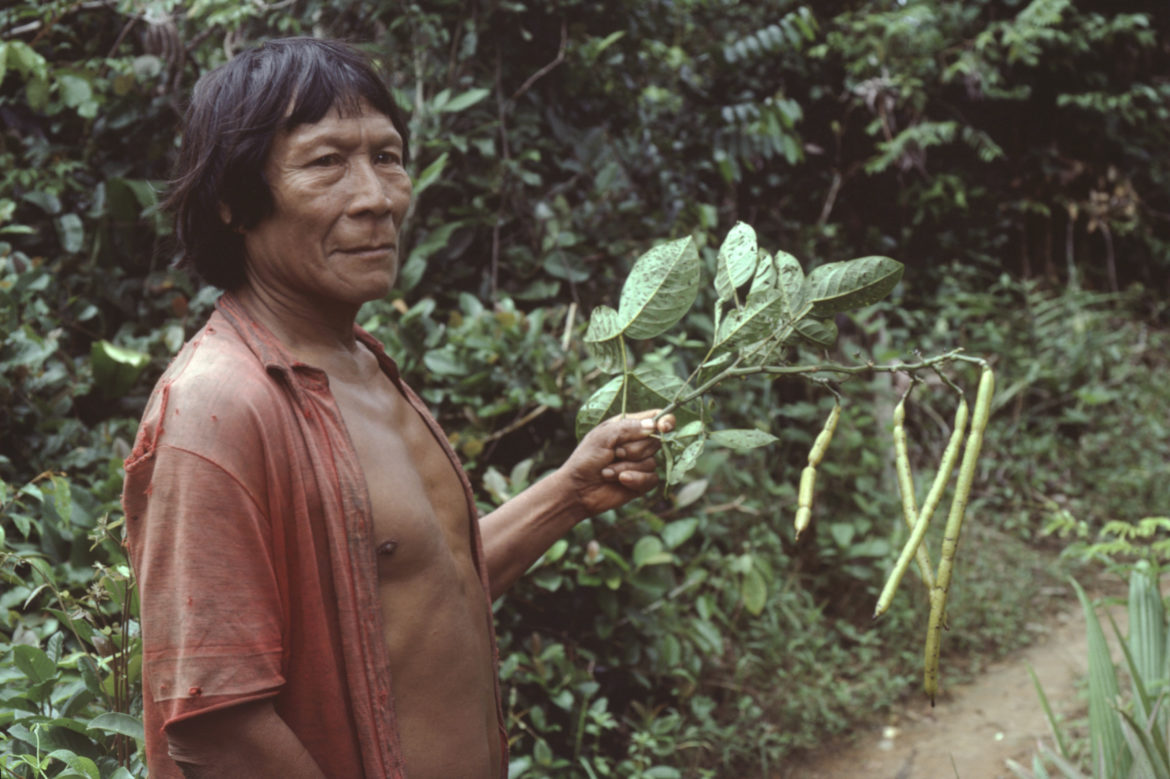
(315,588)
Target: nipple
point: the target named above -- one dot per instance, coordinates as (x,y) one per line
(387,548)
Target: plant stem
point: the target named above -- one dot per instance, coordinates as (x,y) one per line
(735,371)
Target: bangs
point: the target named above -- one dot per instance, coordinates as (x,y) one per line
(320,89)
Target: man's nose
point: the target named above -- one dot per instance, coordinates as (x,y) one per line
(370,193)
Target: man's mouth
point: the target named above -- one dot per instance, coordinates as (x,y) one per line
(370,249)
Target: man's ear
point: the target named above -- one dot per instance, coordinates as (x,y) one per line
(225,213)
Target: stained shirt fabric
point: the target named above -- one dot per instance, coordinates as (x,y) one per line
(250,531)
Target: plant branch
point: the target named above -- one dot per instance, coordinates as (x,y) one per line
(735,371)
(545,70)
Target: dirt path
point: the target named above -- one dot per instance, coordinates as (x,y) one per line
(979,725)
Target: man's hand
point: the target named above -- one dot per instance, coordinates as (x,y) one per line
(611,466)
(614,463)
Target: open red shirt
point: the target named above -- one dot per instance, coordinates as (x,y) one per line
(250,532)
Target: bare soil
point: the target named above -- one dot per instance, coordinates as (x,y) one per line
(974,728)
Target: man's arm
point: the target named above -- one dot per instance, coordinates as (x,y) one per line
(611,466)
(245,740)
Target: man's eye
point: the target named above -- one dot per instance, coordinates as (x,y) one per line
(386,158)
(327,159)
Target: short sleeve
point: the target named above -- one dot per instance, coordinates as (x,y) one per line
(210,602)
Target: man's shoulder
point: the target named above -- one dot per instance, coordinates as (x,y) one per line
(216,395)
(217,370)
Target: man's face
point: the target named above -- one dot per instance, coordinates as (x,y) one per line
(340,192)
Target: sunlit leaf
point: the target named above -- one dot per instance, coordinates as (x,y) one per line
(766,276)
(686,460)
(115,369)
(1106,742)
(790,280)
(464,100)
(647,389)
(597,408)
(71,231)
(754,591)
(844,286)
(650,551)
(677,533)
(79,765)
(115,722)
(817,332)
(75,90)
(758,319)
(737,260)
(34,663)
(742,439)
(430,174)
(601,338)
(660,289)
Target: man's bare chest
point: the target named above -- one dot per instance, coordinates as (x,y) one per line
(417,502)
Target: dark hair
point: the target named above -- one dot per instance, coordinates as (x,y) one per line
(235,112)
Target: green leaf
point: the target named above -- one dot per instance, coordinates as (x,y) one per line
(437,239)
(34,663)
(430,174)
(62,497)
(844,286)
(817,332)
(707,636)
(646,389)
(1057,733)
(686,460)
(765,277)
(742,439)
(650,551)
(36,91)
(44,200)
(601,338)
(737,260)
(71,232)
(754,591)
(115,369)
(688,494)
(1147,752)
(677,533)
(660,289)
(597,408)
(1106,742)
(26,60)
(759,318)
(790,281)
(1147,624)
(462,102)
(79,765)
(75,90)
(842,533)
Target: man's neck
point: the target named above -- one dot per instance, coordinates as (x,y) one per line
(319,336)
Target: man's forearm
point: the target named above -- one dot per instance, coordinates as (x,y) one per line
(517,533)
(246,740)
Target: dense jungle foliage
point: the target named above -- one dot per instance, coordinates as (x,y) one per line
(1010,152)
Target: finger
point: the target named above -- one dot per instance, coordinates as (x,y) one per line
(615,469)
(638,450)
(645,465)
(638,481)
